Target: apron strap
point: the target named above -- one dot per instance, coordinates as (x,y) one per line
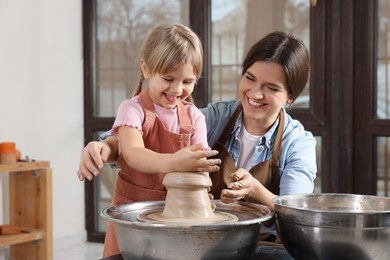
(278,141)
(150,116)
(229,126)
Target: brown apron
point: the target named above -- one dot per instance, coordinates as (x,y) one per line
(266,172)
(132,185)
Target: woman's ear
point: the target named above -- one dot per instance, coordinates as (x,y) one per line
(144,69)
(290,99)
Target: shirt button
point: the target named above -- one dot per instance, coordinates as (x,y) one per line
(269,142)
(260,149)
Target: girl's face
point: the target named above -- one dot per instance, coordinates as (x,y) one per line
(263,92)
(169,89)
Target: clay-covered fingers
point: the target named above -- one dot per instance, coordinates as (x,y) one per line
(229,195)
(209,165)
(202,153)
(238,185)
(206,153)
(211,197)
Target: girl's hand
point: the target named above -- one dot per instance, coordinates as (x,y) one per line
(194,159)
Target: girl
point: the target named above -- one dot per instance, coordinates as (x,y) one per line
(154,125)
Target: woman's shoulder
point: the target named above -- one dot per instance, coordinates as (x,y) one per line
(219,108)
(295,130)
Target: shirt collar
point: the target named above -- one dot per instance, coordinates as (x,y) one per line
(269,137)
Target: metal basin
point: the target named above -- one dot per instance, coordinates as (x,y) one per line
(334,226)
(152,240)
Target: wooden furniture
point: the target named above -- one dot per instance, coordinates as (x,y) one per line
(30,207)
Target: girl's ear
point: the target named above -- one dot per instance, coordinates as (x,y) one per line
(144,69)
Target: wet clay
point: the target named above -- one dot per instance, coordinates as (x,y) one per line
(188,200)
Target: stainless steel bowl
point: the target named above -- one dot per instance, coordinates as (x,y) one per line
(334,226)
(153,240)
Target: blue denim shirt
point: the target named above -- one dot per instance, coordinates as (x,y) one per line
(297,163)
(298,166)
(298,156)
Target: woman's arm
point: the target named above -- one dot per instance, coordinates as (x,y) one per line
(94,155)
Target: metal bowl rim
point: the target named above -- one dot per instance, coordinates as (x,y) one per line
(220,205)
(295,196)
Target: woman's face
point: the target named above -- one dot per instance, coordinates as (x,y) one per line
(263,92)
(169,89)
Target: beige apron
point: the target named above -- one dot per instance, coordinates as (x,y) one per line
(132,185)
(266,172)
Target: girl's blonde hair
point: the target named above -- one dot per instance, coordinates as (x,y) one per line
(167,46)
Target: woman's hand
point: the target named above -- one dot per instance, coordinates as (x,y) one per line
(240,188)
(248,188)
(93,157)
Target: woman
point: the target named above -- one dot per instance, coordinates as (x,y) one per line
(264,151)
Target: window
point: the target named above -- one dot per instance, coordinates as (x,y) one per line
(345,105)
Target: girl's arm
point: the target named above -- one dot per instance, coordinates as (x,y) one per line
(189,159)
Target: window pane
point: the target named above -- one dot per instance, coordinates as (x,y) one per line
(383,70)
(121,28)
(383,166)
(317,182)
(238,24)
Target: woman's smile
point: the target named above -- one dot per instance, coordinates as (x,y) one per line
(254,103)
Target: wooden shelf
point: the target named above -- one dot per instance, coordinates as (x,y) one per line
(30,207)
(27,235)
(23,166)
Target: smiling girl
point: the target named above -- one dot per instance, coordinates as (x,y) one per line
(158,130)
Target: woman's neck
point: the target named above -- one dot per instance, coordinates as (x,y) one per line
(258,127)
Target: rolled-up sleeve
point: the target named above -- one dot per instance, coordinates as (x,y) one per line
(300,167)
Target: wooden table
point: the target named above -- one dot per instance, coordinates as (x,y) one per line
(30,202)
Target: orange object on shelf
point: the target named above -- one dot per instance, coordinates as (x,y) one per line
(7,153)
(7,147)
(9,229)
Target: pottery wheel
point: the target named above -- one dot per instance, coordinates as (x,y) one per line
(188,201)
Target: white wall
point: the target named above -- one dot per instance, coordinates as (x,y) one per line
(41,99)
